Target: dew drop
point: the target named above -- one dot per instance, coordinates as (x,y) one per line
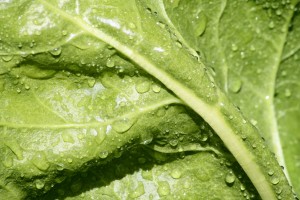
(39,184)
(173,142)
(287,93)
(271,172)
(163,188)
(156,88)
(142,87)
(91,82)
(230,178)
(67,137)
(139,191)
(271,25)
(176,173)
(200,24)
(234,47)
(103,154)
(64,32)
(235,85)
(110,63)
(122,125)
(56,51)
(275,180)
(40,161)
(7,58)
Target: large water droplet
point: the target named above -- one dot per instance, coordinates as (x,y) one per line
(7,58)
(122,125)
(110,63)
(163,188)
(156,88)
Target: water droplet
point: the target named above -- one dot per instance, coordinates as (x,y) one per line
(200,24)
(132,25)
(173,142)
(147,174)
(56,51)
(235,85)
(70,160)
(234,47)
(139,191)
(110,63)
(271,172)
(103,154)
(64,32)
(7,58)
(176,173)
(162,25)
(67,137)
(230,178)
(271,24)
(242,187)
(275,180)
(91,82)
(40,161)
(163,188)
(156,88)
(252,48)
(287,93)
(39,184)
(142,86)
(122,125)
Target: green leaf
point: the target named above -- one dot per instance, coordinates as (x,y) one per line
(59,51)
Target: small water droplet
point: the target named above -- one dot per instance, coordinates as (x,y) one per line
(234,47)
(91,82)
(110,63)
(132,25)
(156,88)
(287,93)
(173,142)
(56,51)
(275,180)
(271,24)
(39,184)
(64,32)
(142,87)
(235,85)
(242,187)
(163,188)
(271,172)
(176,173)
(230,178)
(139,191)
(67,137)
(103,154)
